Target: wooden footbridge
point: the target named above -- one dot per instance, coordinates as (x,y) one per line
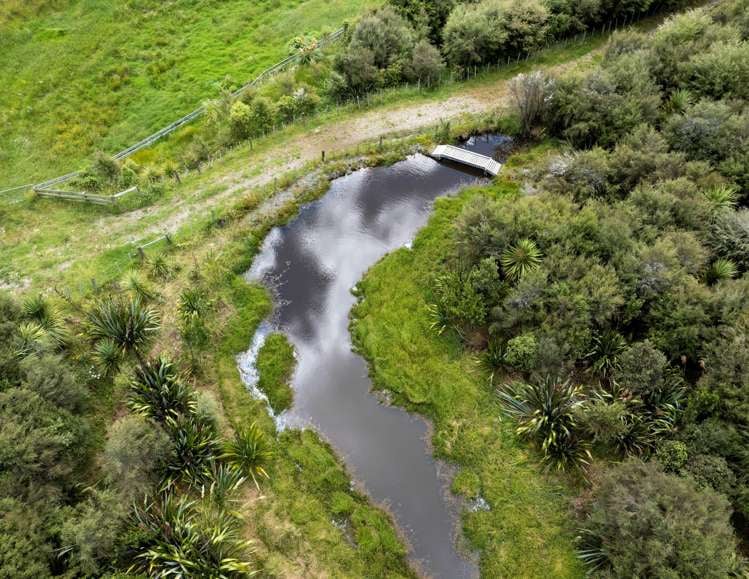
(475,160)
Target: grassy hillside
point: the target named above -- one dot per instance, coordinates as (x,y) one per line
(82,75)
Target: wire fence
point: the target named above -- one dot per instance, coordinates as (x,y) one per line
(189,117)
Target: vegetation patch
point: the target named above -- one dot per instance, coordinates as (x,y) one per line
(275,365)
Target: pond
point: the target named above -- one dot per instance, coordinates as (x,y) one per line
(311,265)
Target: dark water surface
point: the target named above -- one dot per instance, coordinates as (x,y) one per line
(311,265)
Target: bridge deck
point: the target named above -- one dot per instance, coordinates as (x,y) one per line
(476,160)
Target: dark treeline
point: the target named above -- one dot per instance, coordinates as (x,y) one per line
(615,293)
(413,40)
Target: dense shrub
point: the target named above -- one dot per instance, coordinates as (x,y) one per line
(135,454)
(708,130)
(44,442)
(530,93)
(643,522)
(426,64)
(240,121)
(427,17)
(522,352)
(27,540)
(378,54)
(637,288)
(606,104)
(490,31)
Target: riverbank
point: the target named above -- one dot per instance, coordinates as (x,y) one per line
(516,515)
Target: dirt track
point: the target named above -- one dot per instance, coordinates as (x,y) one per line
(291,154)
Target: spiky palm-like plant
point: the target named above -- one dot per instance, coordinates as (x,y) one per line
(591,551)
(32,337)
(546,414)
(439,319)
(720,270)
(225,480)
(679,101)
(721,197)
(607,348)
(107,356)
(196,447)
(157,391)
(139,288)
(249,453)
(493,358)
(36,307)
(193,303)
(160,269)
(41,312)
(187,538)
(127,322)
(519,259)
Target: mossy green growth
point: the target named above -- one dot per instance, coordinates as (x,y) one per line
(524,530)
(275,364)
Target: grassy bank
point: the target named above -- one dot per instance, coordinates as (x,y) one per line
(309,521)
(517,515)
(46,241)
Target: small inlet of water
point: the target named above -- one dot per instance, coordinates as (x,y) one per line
(311,265)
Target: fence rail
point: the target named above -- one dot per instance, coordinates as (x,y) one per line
(82,196)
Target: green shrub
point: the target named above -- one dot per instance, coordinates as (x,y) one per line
(426,64)
(28,546)
(521,352)
(261,117)
(135,454)
(93,531)
(644,522)
(240,121)
(605,421)
(710,471)
(672,455)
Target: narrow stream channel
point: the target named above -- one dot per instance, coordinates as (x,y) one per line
(311,265)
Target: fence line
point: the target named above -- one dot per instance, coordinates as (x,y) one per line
(82,196)
(188,118)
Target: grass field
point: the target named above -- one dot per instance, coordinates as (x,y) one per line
(86,75)
(525,530)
